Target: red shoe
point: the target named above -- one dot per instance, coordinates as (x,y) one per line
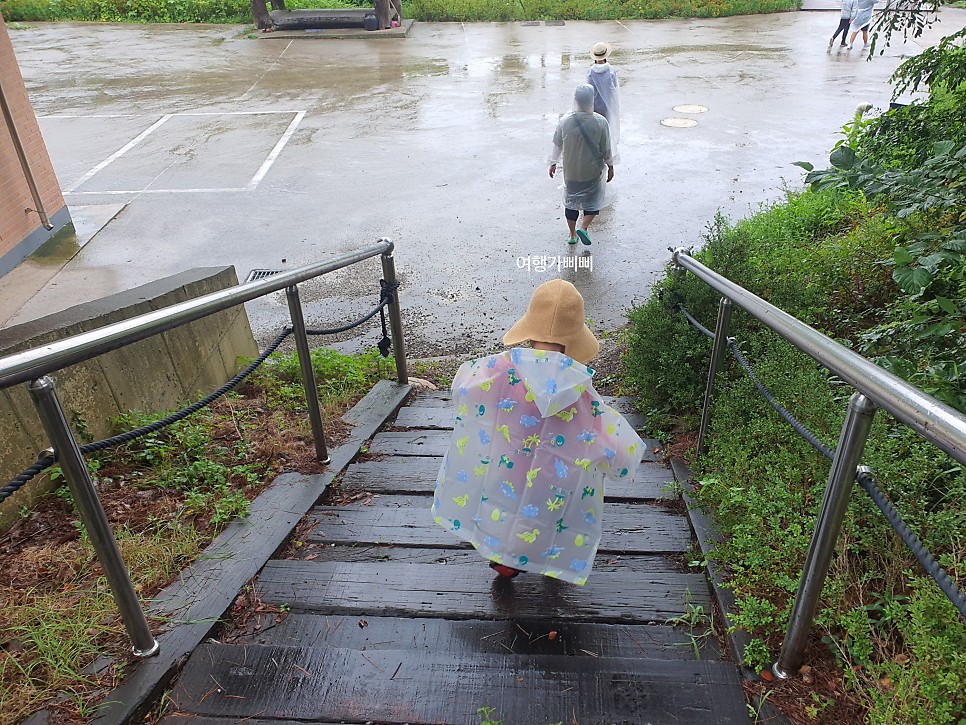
(508,571)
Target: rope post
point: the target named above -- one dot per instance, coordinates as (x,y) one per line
(841,478)
(717,350)
(92,515)
(308,375)
(395,316)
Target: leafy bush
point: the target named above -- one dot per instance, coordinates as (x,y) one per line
(238,11)
(829,257)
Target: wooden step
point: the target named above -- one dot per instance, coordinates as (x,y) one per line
(419,442)
(417,474)
(329,684)
(516,636)
(407,521)
(369,553)
(465,591)
(441,417)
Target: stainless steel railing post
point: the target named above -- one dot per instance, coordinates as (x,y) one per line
(395,316)
(308,375)
(841,478)
(717,350)
(92,514)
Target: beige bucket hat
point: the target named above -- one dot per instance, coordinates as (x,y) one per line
(601,51)
(556,314)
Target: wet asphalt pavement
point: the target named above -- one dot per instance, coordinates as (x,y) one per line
(273,153)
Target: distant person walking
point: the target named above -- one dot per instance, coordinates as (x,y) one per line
(862,21)
(607,101)
(848,12)
(583,137)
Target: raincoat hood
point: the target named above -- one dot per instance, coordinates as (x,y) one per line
(553,379)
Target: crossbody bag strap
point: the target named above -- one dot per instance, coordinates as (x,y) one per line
(590,143)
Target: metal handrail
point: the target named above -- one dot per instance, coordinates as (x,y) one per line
(31,364)
(32,367)
(933,420)
(938,423)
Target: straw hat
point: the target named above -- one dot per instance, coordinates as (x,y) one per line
(600,51)
(556,314)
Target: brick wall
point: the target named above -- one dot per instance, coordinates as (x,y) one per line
(21,231)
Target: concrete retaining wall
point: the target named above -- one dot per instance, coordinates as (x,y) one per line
(157,374)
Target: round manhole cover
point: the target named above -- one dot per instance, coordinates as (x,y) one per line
(690,108)
(679,122)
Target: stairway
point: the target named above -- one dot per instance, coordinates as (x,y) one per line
(389,619)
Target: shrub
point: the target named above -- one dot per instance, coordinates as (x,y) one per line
(826,257)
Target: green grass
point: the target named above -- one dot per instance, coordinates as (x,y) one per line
(818,256)
(166,495)
(238,11)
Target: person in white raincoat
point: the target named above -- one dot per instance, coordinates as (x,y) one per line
(583,137)
(607,96)
(862,21)
(523,478)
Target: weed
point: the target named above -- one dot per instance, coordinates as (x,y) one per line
(672,489)
(700,625)
(486,716)
(755,710)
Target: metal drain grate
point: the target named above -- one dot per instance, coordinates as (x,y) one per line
(257,274)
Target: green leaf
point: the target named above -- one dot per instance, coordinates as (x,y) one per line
(933,261)
(804,164)
(942,148)
(842,158)
(912,280)
(947,305)
(902,257)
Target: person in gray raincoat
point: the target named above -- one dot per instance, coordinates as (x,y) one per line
(583,137)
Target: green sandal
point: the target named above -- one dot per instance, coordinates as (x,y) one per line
(572,240)
(584,236)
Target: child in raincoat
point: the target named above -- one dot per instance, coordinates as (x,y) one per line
(607,97)
(523,478)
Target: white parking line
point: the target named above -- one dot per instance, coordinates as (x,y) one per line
(119,153)
(217,190)
(267,163)
(252,185)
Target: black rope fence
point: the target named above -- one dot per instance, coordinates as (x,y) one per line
(49,457)
(695,324)
(864,479)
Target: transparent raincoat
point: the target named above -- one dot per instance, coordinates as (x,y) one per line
(607,97)
(583,138)
(523,478)
(863,15)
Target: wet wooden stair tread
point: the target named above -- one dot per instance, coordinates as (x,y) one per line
(326,684)
(417,474)
(392,620)
(470,591)
(407,521)
(522,635)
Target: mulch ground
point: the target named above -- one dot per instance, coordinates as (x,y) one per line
(44,551)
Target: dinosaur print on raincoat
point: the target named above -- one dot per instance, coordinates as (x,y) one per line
(552,442)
